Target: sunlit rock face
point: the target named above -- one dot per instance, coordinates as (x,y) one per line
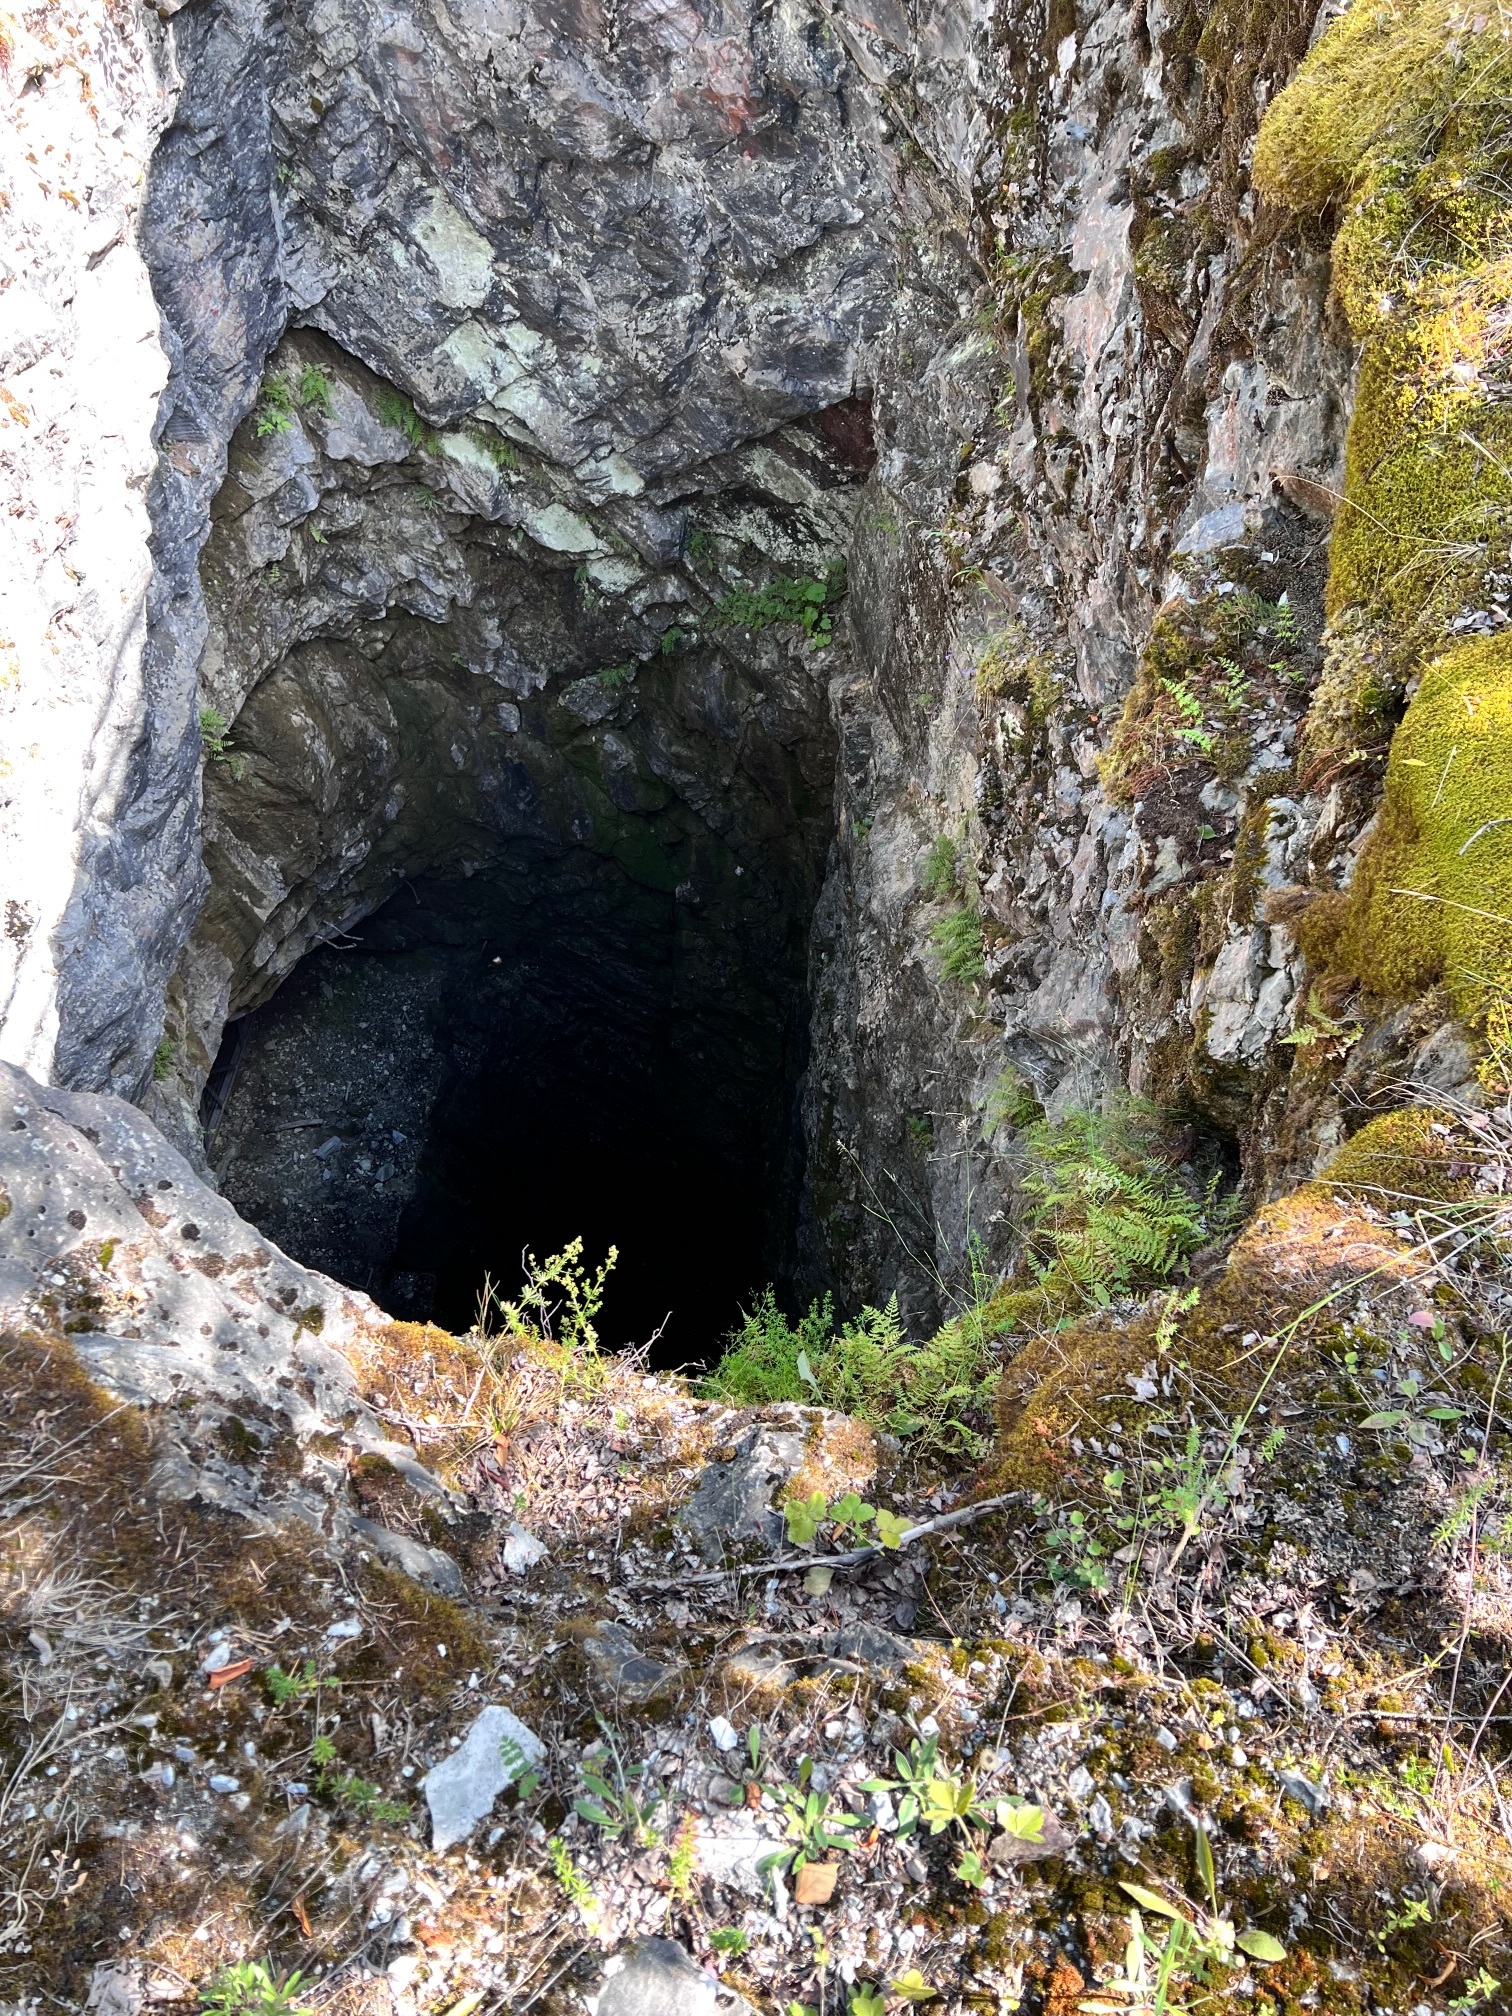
(99,873)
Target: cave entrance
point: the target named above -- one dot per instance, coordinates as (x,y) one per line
(547,1049)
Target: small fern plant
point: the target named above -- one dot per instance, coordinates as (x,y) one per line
(1106,1216)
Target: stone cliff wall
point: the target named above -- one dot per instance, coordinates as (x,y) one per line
(98,810)
(512,358)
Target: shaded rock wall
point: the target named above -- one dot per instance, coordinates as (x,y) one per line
(1148,377)
(512,353)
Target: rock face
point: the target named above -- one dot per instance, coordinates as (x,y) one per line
(182,1310)
(530,377)
(1151,368)
(98,821)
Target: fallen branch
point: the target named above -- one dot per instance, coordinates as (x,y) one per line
(787,1564)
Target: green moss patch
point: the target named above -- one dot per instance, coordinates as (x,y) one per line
(1433,891)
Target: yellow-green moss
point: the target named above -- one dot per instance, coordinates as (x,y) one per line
(1399,115)
(1410,1153)
(1014,668)
(1433,891)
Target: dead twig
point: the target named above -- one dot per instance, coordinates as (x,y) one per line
(787,1564)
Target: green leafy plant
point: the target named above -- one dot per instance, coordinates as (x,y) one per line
(866,1367)
(803,1517)
(395,410)
(283,395)
(1107,1215)
(804,599)
(249,1988)
(942,868)
(215,736)
(957,939)
(313,388)
(1194,1943)
(559,1301)
(933,1797)
(1480,1989)
(575,1885)
(523,1775)
(162,1059)
(616,1797)
(912,1986)
(812,1826)
(730,1939)
(865,2001)
(295,1685)
(275,410)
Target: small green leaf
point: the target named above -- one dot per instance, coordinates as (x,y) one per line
(804,1516)
(1261,1946)
(1393,1417)
(1150,1901)
(806,1371)
(890,1529)
(913,1987)
(852,1511)
(1020,1819)
(1205,1867)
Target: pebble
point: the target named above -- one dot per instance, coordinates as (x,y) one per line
(522,1550)
(219,1782)
(722,1733)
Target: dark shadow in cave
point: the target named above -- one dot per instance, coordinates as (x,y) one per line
(544,1051)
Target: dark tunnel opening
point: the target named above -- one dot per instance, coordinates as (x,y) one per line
(547,1050)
